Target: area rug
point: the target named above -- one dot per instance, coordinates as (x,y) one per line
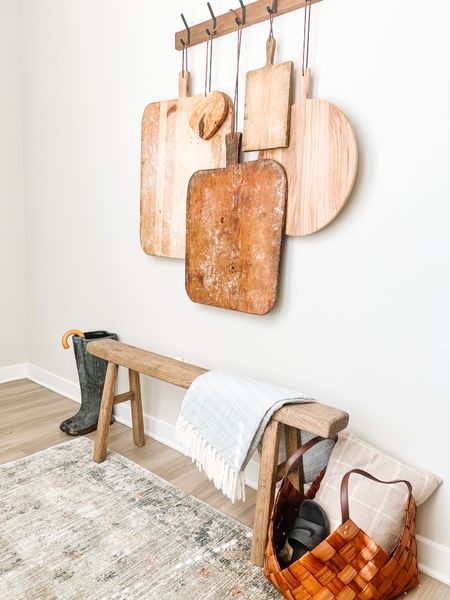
(73,529)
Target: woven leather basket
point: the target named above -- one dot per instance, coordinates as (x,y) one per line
(348,564)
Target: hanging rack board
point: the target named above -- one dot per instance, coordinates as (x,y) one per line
(171,153)
(256,12)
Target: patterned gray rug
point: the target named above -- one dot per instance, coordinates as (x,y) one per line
(72,529)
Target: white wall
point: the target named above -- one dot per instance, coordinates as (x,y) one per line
(363,319)
(13,290)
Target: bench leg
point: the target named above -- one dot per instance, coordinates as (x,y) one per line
(136,409)
(266,491)
(104,421)
(293,443)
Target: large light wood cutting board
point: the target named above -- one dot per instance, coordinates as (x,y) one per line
(170,153)
(235,219)
(320,162)
(267,104)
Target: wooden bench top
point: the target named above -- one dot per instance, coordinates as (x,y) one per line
(316,418)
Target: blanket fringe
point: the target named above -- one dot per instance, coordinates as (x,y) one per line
(210,462)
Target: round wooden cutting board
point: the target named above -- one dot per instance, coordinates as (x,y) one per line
(321,163)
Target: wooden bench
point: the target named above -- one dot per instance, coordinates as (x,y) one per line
(316,418)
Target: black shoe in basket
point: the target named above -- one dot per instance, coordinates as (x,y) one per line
(310,528)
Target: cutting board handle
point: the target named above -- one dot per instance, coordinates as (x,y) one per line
(304,84)
(184,84)
(233,146)
(270,50)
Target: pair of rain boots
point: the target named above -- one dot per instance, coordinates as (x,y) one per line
(91,373)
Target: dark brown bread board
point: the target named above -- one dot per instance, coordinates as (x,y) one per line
(235,220)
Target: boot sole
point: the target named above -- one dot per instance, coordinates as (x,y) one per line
(74,433)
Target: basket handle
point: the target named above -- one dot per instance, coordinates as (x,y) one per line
(300,452)
(344,490)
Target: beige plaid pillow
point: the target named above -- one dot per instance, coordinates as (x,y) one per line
(377,509)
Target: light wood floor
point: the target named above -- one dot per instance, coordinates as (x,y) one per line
(29,422)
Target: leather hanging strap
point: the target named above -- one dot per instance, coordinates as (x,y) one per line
(344,490)
(300,452)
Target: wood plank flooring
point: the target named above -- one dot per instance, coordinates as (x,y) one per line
(29,422)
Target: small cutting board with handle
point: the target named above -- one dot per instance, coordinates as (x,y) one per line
(171,151)
(235,220)
(320,162)
(267,104)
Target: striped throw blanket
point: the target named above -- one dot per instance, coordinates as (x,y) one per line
(222,421)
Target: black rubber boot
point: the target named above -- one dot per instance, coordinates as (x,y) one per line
(91,373)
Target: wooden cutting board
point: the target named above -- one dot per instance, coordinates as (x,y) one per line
(268,104)
(170,153)
(235,219)
(209,114)
(320,162)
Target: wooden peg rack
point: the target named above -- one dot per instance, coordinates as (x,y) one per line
(256,12)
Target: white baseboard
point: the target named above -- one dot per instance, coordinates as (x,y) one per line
(159,430)
(13,373)
(434,557)
(53,382)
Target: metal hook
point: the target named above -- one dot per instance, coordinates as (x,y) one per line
(214,21)
(274,8)
(244,12)
(240,21)
(188,31)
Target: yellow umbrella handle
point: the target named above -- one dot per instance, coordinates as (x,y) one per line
(65,337)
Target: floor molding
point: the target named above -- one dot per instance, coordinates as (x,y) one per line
(438,555)
(53,382)
(13,373)
(435,558)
